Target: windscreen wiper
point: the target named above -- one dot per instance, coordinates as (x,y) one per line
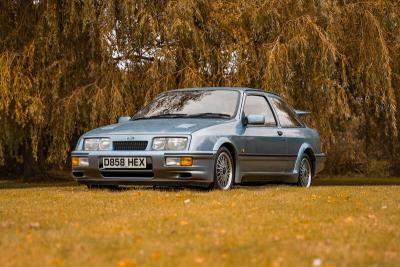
(210,115)
(172,115)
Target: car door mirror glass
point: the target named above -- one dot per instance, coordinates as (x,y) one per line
(255,119)
(123,119)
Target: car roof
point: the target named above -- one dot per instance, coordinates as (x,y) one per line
(241,89)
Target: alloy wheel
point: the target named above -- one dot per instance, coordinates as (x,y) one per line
(305,173)
(224,170)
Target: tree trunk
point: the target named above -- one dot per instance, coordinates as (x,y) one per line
(29,164)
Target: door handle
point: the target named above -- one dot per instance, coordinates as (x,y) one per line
(280,133)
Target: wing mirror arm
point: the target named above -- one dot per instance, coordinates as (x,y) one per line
(245,121)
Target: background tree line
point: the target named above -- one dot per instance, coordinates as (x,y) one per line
(68,66)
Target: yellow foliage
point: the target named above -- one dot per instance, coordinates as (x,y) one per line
(67,67)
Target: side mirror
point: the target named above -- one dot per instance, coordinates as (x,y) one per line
(123,119)
(255,119)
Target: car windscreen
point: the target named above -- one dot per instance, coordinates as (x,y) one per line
(196,103)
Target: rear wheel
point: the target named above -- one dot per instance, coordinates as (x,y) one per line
(305,172)
(224,170)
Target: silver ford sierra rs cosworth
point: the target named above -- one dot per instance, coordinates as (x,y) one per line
(212,137)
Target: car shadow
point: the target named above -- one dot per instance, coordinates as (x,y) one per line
(19,184)
(321,182)
(336,181)
(357,181)
(162,188)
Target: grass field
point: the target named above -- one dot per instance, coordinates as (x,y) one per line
(338,222)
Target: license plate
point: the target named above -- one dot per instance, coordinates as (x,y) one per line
(124,162)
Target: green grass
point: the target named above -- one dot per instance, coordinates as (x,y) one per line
(350,222)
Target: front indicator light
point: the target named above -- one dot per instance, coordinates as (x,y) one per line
(75,161)
(186,161)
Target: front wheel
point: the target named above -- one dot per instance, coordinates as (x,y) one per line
(305,172)
(224,170)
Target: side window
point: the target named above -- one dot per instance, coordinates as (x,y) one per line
(259,105)
(286,115)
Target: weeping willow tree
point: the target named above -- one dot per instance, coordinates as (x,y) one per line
(69,66)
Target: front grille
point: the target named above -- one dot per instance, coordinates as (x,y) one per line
(130,145)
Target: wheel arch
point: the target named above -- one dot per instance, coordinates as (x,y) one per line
(305,149)
(225,142)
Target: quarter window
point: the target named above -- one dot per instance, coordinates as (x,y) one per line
(259,105)
(286,115)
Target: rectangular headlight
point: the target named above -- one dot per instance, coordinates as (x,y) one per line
(176,143)
(159,143)
(92,144)
(169,143)
(105,144)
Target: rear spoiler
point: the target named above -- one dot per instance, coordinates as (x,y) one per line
(302,113)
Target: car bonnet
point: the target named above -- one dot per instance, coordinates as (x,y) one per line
(157,126)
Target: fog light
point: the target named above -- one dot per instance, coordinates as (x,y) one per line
(170,161)
(186,161)
(83,161)
(79,161)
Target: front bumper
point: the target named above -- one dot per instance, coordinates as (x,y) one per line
(156,173)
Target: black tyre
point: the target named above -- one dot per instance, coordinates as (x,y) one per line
(224,170)
(305,172)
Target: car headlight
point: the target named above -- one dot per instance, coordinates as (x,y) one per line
(105,144)
(92,144)
(169,143)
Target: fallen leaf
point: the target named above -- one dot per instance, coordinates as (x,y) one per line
(56,262)
(126,263)
(277,262)
(155,255)
(348,219)
(199,260)
(221,231)
(6,224)
(34,225)
(316,262)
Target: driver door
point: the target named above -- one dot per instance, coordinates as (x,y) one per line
(265,146)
